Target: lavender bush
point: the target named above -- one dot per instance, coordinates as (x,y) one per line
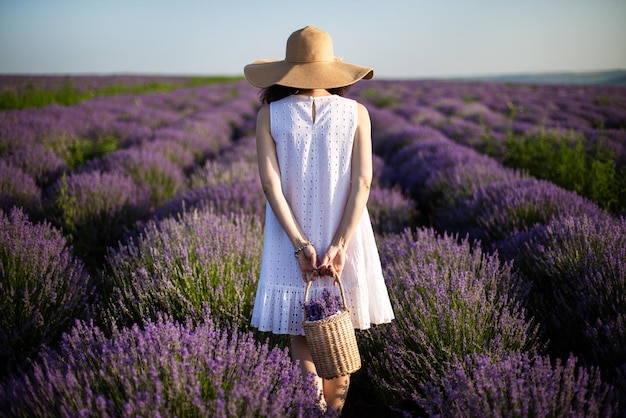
(463,131)
(457,177)
(240,196)
(173,151)
(390,211)
(499,210)
(435,170)
(18,189)
(394,145)
(577,267)
(378,166)
(419,114)
(384,125)
(450,301)
(152,171)
(241,150)
(519,385)
(96,210)
(229,184)
(43,287)
(180,265)
(43,165)
(164,369)
(204,135)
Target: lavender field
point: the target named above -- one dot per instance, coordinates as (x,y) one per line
(131,230)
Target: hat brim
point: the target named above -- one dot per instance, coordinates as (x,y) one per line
(310,75)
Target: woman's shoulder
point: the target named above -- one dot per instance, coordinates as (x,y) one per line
(264,113)
(361,110)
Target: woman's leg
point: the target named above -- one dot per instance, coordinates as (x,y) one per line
(300,351)
(336,391)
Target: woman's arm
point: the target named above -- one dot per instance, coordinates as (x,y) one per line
(360,182)
(269,172)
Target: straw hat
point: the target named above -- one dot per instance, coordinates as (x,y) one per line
(309,63)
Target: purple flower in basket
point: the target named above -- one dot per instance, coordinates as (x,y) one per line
(320,308)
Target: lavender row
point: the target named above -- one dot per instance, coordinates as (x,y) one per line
(571,136)
(461,190)
(463,341)
(182,266)
(158,141)
(450,302)
(520,385)
(97,168)
(577,268)
(189,257)
(163,369)
(182,242)
(466,111)
(546,230)
(453,303)
(44,288)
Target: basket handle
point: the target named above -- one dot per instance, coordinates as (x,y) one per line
(341,290)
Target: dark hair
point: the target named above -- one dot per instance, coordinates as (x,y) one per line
(277,92)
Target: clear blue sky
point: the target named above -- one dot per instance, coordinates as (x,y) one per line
(399,38)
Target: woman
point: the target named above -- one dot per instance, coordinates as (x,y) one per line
(315,164)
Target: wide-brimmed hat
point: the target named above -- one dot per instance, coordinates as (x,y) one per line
(309,63)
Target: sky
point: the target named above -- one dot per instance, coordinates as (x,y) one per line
(398,38)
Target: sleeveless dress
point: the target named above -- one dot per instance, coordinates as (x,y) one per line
(315,159)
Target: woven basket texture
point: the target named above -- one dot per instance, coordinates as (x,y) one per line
(332,342)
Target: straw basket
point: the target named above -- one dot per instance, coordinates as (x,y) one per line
(332,341)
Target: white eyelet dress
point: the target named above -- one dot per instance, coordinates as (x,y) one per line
(315,159)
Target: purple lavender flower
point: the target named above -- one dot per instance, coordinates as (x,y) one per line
(449,105)
(320,308)
(463,131)
(196,141)
(391,211)
(179,265)
(450,300)
(43,287)
(39,162)
(577,267)
(384,124)
(228,185)
(378,166)
(96,210)
(421,115)
(501,209)
(164,368)
(402,140)
(518,385)
(481,114)
(153,171)
(239,196)
(172,150)
(18,189)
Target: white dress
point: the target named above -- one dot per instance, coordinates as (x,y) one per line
(315,159)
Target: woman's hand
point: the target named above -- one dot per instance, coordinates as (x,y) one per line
(307,261)
(333,262)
